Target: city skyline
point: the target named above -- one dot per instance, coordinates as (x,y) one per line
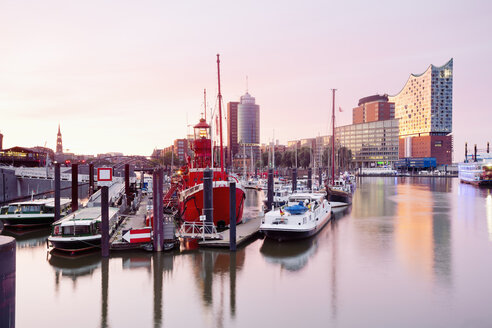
(129,77)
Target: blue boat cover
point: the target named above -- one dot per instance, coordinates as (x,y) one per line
(296,209)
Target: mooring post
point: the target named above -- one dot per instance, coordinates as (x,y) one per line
(57,192)
(294,180)
(91,179)
(270,189)
(7,281)
(154,187)
(232,216)
(310,179)
(160,208)
(208,206)
(320,178)
(104,222)
(75,187)
(127,185)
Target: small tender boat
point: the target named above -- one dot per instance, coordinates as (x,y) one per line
(305,215)
(81,230)
(33,213)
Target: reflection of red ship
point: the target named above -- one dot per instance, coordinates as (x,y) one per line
(189,185)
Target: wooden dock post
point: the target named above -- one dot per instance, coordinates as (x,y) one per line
(270,189)
(294,180)
(127,185)
(57,192)
(104,222)
(75,187)
(208,205)
(91,179)
(7,281)
(310,179)
(320,177)
(232,216)
(157,226)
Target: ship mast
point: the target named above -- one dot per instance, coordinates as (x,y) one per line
(333,141)
(205,103)
(220,121)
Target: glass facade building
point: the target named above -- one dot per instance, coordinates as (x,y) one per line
(372,144)
(248,124)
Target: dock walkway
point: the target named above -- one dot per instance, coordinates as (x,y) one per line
(244,232)
(135,221)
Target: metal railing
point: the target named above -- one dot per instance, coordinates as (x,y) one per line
(205,230)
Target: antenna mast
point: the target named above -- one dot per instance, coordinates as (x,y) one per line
(220,120)
(333,140)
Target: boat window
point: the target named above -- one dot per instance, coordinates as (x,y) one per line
(4,210)
(31,208)
(76,230)
(13,208)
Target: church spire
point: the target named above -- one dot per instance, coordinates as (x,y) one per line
(59,144)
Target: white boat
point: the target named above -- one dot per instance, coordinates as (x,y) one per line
(305,215)
(477,173)
(81,230)
(33,213)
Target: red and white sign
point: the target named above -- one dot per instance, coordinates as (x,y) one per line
(104,174)
(138,235)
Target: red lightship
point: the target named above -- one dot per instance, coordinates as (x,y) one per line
(189,184)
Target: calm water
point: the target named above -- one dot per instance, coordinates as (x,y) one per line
(411,253)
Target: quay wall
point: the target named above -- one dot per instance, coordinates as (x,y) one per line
(13,188)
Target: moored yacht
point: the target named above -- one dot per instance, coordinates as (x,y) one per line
(305,215)
(33,213)
(81,230)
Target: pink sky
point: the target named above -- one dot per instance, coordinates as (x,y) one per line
(125,75)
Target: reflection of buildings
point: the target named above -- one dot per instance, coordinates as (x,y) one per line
(423,229)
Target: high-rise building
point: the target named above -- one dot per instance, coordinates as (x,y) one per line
(248,124)
(59,145)
(373,108)
(232,130)
(425,109)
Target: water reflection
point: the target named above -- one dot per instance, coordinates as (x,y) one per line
(423,228)
(488,211)
(28,238)
(372,197)
(215,265)
(292,256)
(73,267)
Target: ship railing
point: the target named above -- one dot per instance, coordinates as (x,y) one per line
(204,230)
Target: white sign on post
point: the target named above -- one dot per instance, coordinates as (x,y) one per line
(104,176)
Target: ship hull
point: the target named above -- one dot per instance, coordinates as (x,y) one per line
(338,196)
(75,244)
(192,206)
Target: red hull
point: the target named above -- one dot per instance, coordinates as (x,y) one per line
(192,207)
